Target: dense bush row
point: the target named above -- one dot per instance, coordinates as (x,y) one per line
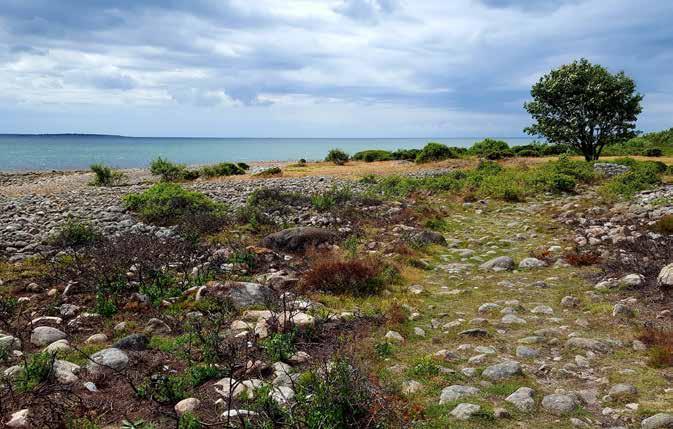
(172,172)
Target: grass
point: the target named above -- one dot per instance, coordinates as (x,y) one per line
(75,232)
(338,276)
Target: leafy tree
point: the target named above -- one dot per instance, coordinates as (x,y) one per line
(584,106)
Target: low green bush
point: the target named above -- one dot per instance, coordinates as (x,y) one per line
(39,367)
(405,154)
(640,177)
(653,151)
(269,172)
(435,152)
(491,149)
(334,196)
(168,203)
(75,232)
(106,176)
(279,346)
(373,155)
(222,169)
(337,156)
(169,171)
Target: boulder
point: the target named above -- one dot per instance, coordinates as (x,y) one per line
(502,370)
(532,263)
(107,358)
(622,391)
(665,277)
(455,392)
(135,342)
(501,263)
(45,335)
(427,237)
(658,421)
(186,406)
(588,344)
(157,327)
(19,419)
(242,294)
(465,411)
(298,239)
(522,399)
(559,404)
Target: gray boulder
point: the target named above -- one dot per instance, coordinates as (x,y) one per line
(136,342)
(502,370)
(45,335)
(501,263)
(558,404)
(532,263)
(522,399)
(427,237)
(465,411)
(657,421)
(452,393)
(108,358)
(298,239)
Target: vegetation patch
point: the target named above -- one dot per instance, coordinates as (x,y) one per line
(106,176)
(358,277)
(167,203)
(337,156)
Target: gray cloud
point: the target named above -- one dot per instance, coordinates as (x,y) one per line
(431,61)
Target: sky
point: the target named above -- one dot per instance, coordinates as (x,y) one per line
(314,68)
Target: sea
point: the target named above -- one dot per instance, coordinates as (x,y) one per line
(76,152)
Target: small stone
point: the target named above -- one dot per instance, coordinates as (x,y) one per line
(299,358)
(96,338)
(661,420)
(157,327)
(502,370)
(559,404)
(91,387)
(632,280)
(511,319)
(465,411)
(579,423)
(623,311)
(501,413)
(19,419)
(531,263)
(455,392)
(108,358)
(622,391)
(501,263)
(186,406)
(135,342)
(419,331)
(410,387)
(542,309)
(522,399)
(526,352)
(570,301)
(45,335)
(395,336)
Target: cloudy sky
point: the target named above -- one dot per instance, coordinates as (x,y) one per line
(322,68)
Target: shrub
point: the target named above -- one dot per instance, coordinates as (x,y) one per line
(435,152)
(660,342)
(75,232)
(359,277)
(406,154)
(653,151)
(167,203)
(373,155)
(491,149)
(337,156)
(169,171)
(269,172)
(334,196)
(528,153)
(664,225)
(641,176)
(279,346)
(105,176)
(582,259)
(38,369)
(222,169)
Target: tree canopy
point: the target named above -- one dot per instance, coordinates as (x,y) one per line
(584,106)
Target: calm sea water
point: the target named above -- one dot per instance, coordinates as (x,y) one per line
(78,152)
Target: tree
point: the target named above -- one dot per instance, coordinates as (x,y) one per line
(584,106)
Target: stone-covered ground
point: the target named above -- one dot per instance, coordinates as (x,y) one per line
(500,325)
